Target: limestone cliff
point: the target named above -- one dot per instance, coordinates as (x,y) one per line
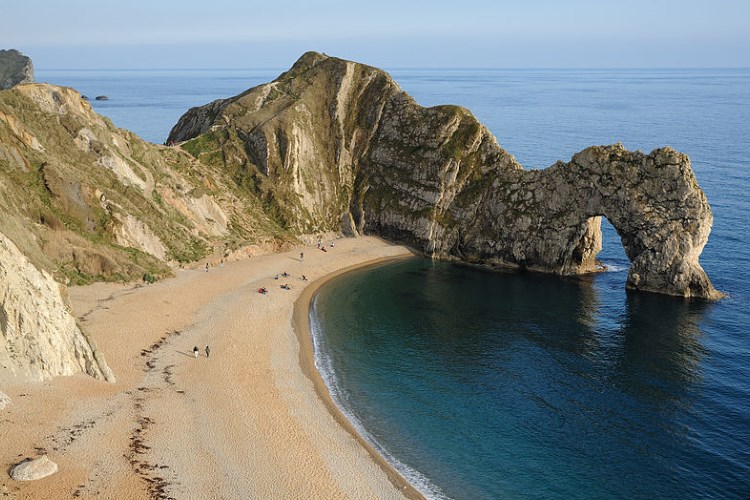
(39,338)
(87,201)
(83,201)
(336,145)
(15,68)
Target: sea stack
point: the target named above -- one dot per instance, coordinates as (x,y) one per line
(15,68)
(336,145)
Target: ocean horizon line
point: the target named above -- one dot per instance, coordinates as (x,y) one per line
(425,68)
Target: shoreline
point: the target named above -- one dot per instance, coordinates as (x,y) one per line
(253,420)
(301,323)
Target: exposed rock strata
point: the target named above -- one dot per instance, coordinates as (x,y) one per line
(343,148)
(15,68)
(39,337)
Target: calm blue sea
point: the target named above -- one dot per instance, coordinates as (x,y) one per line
(495,385)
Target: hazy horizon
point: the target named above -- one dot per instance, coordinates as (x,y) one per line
(543,34)
(402,68)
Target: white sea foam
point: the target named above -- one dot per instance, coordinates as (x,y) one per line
(614,268)
(324,365)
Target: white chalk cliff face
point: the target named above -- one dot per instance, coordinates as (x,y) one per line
(346,149)
(39,338)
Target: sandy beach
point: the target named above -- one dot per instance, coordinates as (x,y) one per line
(252,420)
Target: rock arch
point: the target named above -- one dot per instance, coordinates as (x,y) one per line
(653,201)
(436,179)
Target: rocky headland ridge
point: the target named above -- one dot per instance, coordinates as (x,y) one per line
(329,146)
(346,149)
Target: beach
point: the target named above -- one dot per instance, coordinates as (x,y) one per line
(252,420)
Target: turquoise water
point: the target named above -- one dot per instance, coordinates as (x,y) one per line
(494,385)
(497,385)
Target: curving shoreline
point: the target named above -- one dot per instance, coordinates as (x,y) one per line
(253,420)
(301,320)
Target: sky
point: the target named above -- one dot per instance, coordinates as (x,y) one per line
(128,34)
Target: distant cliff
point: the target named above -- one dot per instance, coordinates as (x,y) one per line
(336,145)
(15,68)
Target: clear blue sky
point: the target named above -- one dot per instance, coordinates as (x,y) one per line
(385,33)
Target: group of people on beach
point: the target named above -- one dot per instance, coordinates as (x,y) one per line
(263,290)
(195,351)
(285,286)
(321,246)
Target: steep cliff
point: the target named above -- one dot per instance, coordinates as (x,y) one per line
(336,145)
(15,68)
(83,201)
(87,201)
(39,338)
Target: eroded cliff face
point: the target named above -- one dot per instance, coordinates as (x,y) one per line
(83,201)
(87,201)
(39,338)
(336,145)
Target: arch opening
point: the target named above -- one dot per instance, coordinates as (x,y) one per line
(599,248)
(612,255)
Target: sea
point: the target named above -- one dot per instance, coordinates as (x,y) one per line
(477,384)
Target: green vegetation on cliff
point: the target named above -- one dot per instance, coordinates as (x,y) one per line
(91,202)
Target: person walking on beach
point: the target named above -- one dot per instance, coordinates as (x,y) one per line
(195,352)
(301,256)
(206,266)
(208,351)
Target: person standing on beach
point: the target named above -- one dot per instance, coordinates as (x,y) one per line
(301,256)
(208,351)
(206,266)
(195,352)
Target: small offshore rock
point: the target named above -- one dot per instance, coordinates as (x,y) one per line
(102,98)
(33,469)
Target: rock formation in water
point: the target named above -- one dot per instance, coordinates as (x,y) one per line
(336,145)
(330,145)
(15,68)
